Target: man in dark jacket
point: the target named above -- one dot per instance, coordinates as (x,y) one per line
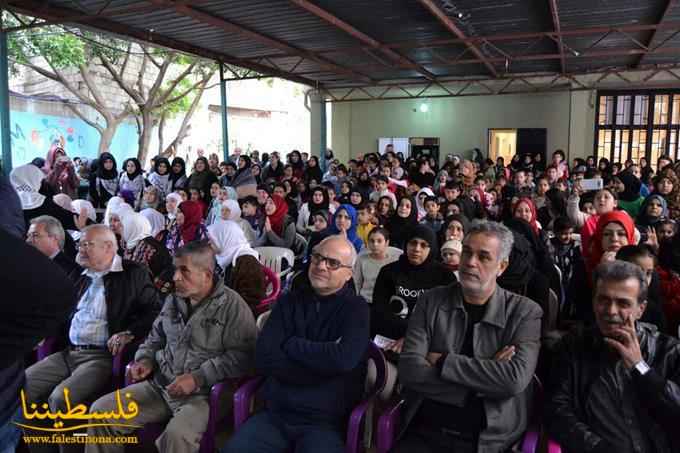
(615,387)
(48,236)
(312,351)
(469,356)
(37,298)
(117,303)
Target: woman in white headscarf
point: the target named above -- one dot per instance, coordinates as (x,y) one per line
(156,219)
(238,262)
(27,181)
(141,247)
(232,211)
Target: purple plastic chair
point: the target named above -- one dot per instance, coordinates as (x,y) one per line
(127,353)
(554,447)
(150,432)
(388,424)
(244,397)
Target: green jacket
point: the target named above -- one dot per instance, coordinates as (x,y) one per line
(217,341)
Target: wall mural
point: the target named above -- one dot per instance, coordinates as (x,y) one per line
(32,134)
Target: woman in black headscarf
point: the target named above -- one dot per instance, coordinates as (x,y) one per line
(628,192)
(522,277)
(244,182)
(178,174)
(103,180)
(313,171)
(318,201)
(202,178)
(298,165)
(402,221)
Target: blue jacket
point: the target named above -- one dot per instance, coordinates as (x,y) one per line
(312,352)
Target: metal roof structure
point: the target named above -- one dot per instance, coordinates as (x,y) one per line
(368,46)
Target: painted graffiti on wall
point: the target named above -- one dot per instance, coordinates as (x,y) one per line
(32,134)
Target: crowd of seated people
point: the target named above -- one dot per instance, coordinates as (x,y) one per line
(475,279)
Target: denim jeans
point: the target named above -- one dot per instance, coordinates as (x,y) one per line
(9,434)
(264,432)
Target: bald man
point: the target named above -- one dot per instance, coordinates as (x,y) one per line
(204,334)
(312,351)
(117,302)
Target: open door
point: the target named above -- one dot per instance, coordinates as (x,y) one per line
(532,141)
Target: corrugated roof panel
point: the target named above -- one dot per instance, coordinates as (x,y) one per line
(403,21)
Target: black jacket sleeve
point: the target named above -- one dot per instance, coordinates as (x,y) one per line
(37,298)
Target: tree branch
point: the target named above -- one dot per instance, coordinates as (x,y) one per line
(118,78)
(159,78)
(125,61)
(151,58)
(91,86)
(174,84)
(82,116)
(204,81)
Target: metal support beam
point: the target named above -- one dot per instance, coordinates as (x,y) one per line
(231,27)
(453,28)
(556,25)
(5,139)
(223,110)
(670,4)
(361,36)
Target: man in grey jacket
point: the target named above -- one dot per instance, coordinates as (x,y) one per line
(205,333)
(469,356)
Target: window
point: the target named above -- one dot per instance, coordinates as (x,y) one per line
(635,124)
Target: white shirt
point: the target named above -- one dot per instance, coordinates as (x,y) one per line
(89,325)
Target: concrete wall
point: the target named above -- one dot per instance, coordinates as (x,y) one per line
(462,123)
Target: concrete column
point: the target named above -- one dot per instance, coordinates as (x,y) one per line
(318,139)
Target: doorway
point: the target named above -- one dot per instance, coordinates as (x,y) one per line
(502,143)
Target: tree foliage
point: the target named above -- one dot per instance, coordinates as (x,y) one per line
(159,84)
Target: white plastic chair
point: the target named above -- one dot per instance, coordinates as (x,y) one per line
(272,257)
(262,319)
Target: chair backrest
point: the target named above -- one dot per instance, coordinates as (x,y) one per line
(272,289)
(376,355)
(262,319)
(272,257)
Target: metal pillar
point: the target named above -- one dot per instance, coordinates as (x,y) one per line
(223,109)
(323,144)
(5,141)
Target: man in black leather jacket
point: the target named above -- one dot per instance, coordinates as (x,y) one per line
(117,303)
(616,387)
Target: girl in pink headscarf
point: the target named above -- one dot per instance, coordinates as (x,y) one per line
(61,176)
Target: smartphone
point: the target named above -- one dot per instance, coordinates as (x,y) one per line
(592,184)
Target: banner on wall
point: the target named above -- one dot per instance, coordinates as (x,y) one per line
(32,134)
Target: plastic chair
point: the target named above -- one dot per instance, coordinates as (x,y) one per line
(51,345)
(388,424)
(245,395)
(150,432)
(262,319)
(271,280)
(272,257)
(554,447)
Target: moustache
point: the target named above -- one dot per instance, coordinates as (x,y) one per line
(612,319)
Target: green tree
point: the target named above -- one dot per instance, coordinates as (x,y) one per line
(159,84)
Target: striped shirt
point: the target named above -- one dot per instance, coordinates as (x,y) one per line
(89,325)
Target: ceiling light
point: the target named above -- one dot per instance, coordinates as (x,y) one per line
(424,108)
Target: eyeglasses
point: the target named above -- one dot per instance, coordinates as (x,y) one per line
(36,236)
(86,244)
(331,263)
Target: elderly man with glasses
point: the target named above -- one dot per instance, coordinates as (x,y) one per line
(117,303)
(312,351)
